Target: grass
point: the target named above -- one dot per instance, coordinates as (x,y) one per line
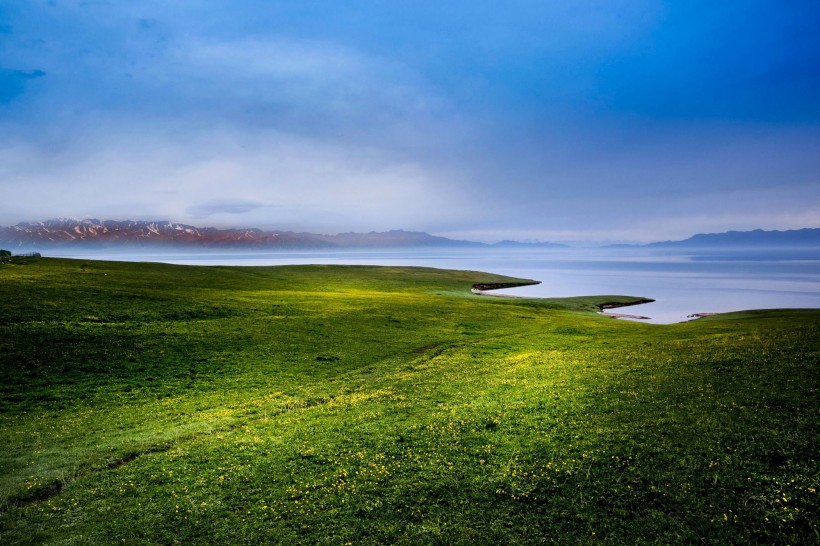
(149,403)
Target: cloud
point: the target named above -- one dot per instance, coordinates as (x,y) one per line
(310,87)
(276,59)
(277,180)
(548,121)
(267,130)
(13,82)
(213,208)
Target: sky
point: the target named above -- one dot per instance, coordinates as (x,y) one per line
(590,120)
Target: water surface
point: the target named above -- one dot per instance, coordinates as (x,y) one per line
(683,283)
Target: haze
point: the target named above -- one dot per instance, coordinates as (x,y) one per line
(566,121)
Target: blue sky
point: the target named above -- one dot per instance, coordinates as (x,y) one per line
(587,120)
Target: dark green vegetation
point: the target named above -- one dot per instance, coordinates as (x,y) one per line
(154,404)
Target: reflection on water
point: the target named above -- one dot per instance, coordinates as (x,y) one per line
(682,282)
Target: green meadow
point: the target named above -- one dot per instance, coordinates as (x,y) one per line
(158,404)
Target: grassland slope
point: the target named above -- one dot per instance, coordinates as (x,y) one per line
(150,403)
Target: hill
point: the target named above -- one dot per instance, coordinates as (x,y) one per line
(159,404)
(107,233)
(808,237)
(92,232)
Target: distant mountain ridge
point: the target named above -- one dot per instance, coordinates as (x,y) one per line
(739,239)
(90,231)
(518,244)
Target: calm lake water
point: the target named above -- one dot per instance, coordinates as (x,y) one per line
(682,282)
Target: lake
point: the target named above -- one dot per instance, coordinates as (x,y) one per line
(683,282)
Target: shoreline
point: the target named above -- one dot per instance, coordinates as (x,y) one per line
(624,316)
(694,316)
(481,289)
(615,305)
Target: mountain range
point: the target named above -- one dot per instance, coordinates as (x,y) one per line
(91,232)
(801,239)
(756,238)
(62,232)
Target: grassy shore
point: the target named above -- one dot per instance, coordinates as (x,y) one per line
(160,404)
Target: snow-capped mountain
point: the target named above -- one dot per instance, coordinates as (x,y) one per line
(63,231)
(70,231)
